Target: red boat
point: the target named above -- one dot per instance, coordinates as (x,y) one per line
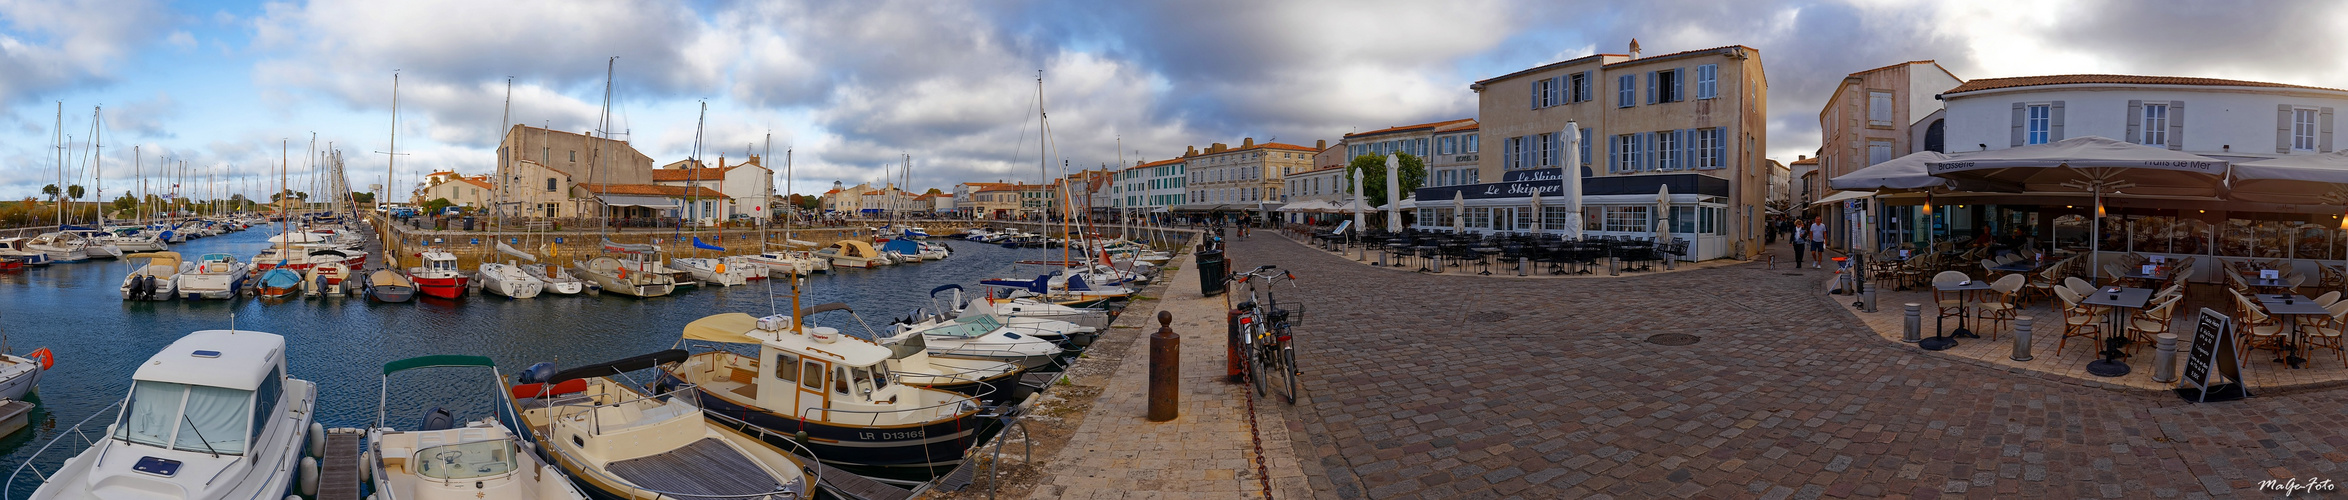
(11,264)
(439,277)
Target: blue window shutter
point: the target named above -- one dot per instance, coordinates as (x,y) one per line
(1533,88)
(1613,153)
(1650,87)
(1679,84)
(1585,146)
(1646,151)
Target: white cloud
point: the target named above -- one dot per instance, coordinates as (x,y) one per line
(53,45)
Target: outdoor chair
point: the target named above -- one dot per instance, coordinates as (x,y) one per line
(2079,320)
(2079,286)
(2327,332)
(2260,329)
(2328,298)
(2001,308)
(1952,304)
(2152,321)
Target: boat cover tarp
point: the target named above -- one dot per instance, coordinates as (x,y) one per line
(616,367)
(614,246)
(705,246)
(728,328)
(517,253)
(902,246)
(435,361)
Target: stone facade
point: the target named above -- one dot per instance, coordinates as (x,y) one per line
(1872,117)
(574,155)
(1245,175)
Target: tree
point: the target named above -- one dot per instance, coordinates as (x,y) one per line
(1373,171)
(50,191)
(934,191)
(126,202)
(74,191)
(362,198)
(436,205)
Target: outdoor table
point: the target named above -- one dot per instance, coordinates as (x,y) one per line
(2277,298)
(1484,259)
(1396,249)
(2017,267)
(2268,283)
(2291,313)
(1943,340)
(1427,252)
(2119,301)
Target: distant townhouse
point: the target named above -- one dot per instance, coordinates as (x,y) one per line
(1873,116)
(747,186)
(1246,179)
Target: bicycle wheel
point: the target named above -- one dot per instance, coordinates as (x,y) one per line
(1258,361)
(1289,370)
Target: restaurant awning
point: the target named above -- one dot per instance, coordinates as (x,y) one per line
(1839,196)
(630,200)
(1906,172)
(2320,179)
(2069,164)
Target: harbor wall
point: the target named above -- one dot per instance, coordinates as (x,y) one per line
(471,247)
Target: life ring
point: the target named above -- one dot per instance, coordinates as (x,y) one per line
(623,273)
(46,358)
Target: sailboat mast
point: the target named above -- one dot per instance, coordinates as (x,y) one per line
(98,166)
(504,178)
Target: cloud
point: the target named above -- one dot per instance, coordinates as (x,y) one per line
(148,118)
(54,45)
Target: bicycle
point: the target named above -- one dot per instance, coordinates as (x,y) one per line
(1266,332)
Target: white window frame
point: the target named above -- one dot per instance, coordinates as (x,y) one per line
(2037,123)
(2155,129)
(1706,156)
(2304,128)
(1666,151)
(1627,152)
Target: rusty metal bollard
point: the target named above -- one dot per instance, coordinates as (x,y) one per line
(1165,370)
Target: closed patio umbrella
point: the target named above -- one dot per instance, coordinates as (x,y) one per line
(1572,180)
(1537,215)
(1663,215)
(1458,211)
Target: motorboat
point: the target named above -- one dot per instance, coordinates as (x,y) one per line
(327,278)
(987,380)
(508,280)
(977,234)
(439,276)
(1026,307)
(442,458)
(1060,288)
(1029,344)
(390,286)
(634,277)
(157,279)
(60,247)
(786,263)
(852,253)
(622,443)
(754,269)
(217,276)
(211,416)
(835,390)
(556,280)
(914,251)
(21,375)
(17,249)
(96,244)
(912,232)
(712,271)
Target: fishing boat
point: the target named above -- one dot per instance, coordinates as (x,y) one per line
(852,253)
(157,279)
(217,276)
(441,458)
(556,281)
(439,277)
(636,277)
(17,249)
(211,416)
(60,247)
(327,278)
(622,443)
(278,283)
(1026,307)
(836,390)
(390,286)
(1030,343)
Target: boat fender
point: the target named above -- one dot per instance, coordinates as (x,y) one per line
(801,437)
(536,373)
(46,358)
(317,446)
(309,477)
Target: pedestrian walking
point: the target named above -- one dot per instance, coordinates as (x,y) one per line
(1801,242)
(1817,242)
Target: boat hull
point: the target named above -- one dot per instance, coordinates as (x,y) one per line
(446,287)
(928,445)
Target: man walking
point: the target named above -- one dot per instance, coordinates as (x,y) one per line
(1817,242)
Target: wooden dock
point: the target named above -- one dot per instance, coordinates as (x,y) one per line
(338,472)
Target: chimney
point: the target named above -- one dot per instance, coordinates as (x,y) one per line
(1248,143)
(1801,157)
(1321,144)
(721,161)
(1634,48)
(1192,152)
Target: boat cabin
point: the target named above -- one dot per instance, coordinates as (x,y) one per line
(818,373)
(215,263)
(439,261)
(211,392)
(853,248)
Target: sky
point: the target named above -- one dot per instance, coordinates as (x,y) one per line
(852,89)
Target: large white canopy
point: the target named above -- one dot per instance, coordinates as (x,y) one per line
(2320,179)
(1902,173)
(2064,165)
(1839,196)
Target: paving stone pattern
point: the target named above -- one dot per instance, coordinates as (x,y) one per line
(1471,387)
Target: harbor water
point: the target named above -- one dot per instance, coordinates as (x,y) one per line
(341,343)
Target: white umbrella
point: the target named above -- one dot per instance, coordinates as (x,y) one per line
(1572,180)
(1360,220)
(2298,179)
(1393,190)
(1663,215)
(1537,215)
(1459,211)
(2092,164)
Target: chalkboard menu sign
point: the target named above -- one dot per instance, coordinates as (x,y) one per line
(2212,354)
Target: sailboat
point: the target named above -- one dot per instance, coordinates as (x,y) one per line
(637,276)
(507,279)
(281,279)
(622,443)
(713,271)
(442,458)
(388,284)
(556,281)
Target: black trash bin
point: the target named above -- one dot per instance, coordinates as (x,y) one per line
(1211,270)
(468,223)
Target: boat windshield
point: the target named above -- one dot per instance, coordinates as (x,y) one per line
(969,327)
(467,460)
(214,257)
(182,417)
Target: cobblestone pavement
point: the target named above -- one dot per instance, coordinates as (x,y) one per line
(1455,386)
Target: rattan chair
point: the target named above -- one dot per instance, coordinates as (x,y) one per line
(2079,320)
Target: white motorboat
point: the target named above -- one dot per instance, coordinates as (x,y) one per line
(1026,307)
(211,416)
(756,269)
(556,280)
(157,279)
(217,276)
(634,277)
(508,280)
(785,263)
(622,443)
(712,271)
(985,336)
(17,249)
(443,459)
(60,247)
(327,278)
(21,375)
(853,253)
